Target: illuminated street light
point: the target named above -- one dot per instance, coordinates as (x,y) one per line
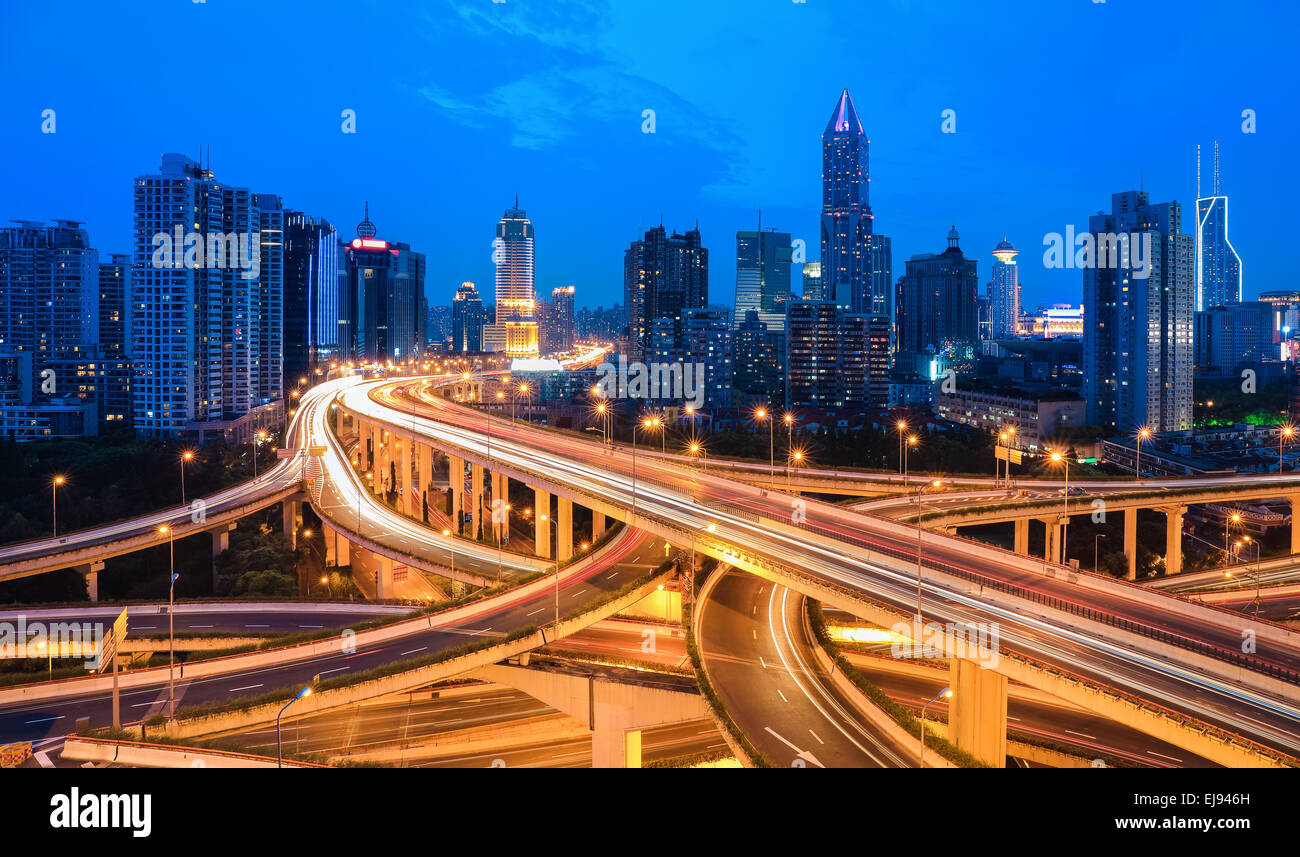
(55,484)
(306,691)
(1143,434)
(167,531)
(1286,433)
(946,693)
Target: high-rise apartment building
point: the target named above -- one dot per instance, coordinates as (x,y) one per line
(467,319)
(206,323)
(835,359)
(758,363)
(557,328)
(663,275)
(1137,341)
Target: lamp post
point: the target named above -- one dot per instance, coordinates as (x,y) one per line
(759,416)
(261,435)
(603,410)
(911,442)
(919,531)
(1065,529)
(186,456)
(902,428)
(55,483)
(1234,518)
(946,693)
(306,691)
(1144,434)
(795,458)
(1256,575)
(1286,433)
(171,620)
(650,424)
(788,419)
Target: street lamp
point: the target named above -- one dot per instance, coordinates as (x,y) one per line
(603,410)
(186,456)
(1256,575)
(49,652)
(794,459)
(911,443)
(1058,457)
(946,693)
(306,691)
(919,532)
(261,435)
(759,416)
(55,483)
(167,531)
(1234,518)
(650,424)
(1285,434)
(788,419)
(1143,434)
(902,428)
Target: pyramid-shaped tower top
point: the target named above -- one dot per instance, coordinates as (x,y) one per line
(844,120)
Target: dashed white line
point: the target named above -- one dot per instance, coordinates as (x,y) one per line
(250,687)
(782,695)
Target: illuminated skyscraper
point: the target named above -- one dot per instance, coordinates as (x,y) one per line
(1137,340)
(1218,267)
(516,308)
(663,275)
(1004,292)
(937,309)
(467,319)
(763,276)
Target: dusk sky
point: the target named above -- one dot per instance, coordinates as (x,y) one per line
(459,105)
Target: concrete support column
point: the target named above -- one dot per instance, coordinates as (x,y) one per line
(331,555)
(425,467)
(1295,524)
(476,499)
(1131,542)
(597,525)
(564,526)
(613,745)
(1022,536)
(404,474)
(977,714)
(1052,539)
(542,528)
(91,572)
(383,577)
(456,479)
(338,420)
(500,500)
(291,511)
(342,550)
(1174,538)
(379,463)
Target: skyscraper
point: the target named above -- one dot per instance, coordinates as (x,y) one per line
(812,281)
(812,364)
(662,276)
(49,291)
(846,208)
(516,307)
(206,324)
(1004,292)
(758,363)
(936,308)
(1137,340)
(1218,267)
(383,298)
(467,319)
(311,295)
(706,335)
(763,275)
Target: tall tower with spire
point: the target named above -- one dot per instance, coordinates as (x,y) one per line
(515,330)
(1218,267)
(846,209)
(1004,291)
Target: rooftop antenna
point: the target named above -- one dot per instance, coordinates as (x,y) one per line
(1216,167)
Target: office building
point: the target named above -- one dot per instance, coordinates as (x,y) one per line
(515,328)
(763,275)
(1226,336)
(936,309)
(382,297)
(1004,293)
(311,296)
(812,282)
(468,319)
(1218,267)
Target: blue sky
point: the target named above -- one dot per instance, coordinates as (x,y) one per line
(459,105)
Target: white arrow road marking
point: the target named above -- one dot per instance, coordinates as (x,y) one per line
(802,754)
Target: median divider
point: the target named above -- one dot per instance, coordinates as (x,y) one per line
(140,754)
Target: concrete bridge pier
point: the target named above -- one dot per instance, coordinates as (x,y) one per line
(407,500)
(977,713)
(220,544)
(91,572)
(1174,538)
(1295,524)
(542,528)
(456,481)
(501,516)
(476,500)
(1053,549)
(564,527)
(338,550)
(1021,539)
(291,515)
(597,525)
(424,465)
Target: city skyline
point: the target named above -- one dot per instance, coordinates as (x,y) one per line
(723,167)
